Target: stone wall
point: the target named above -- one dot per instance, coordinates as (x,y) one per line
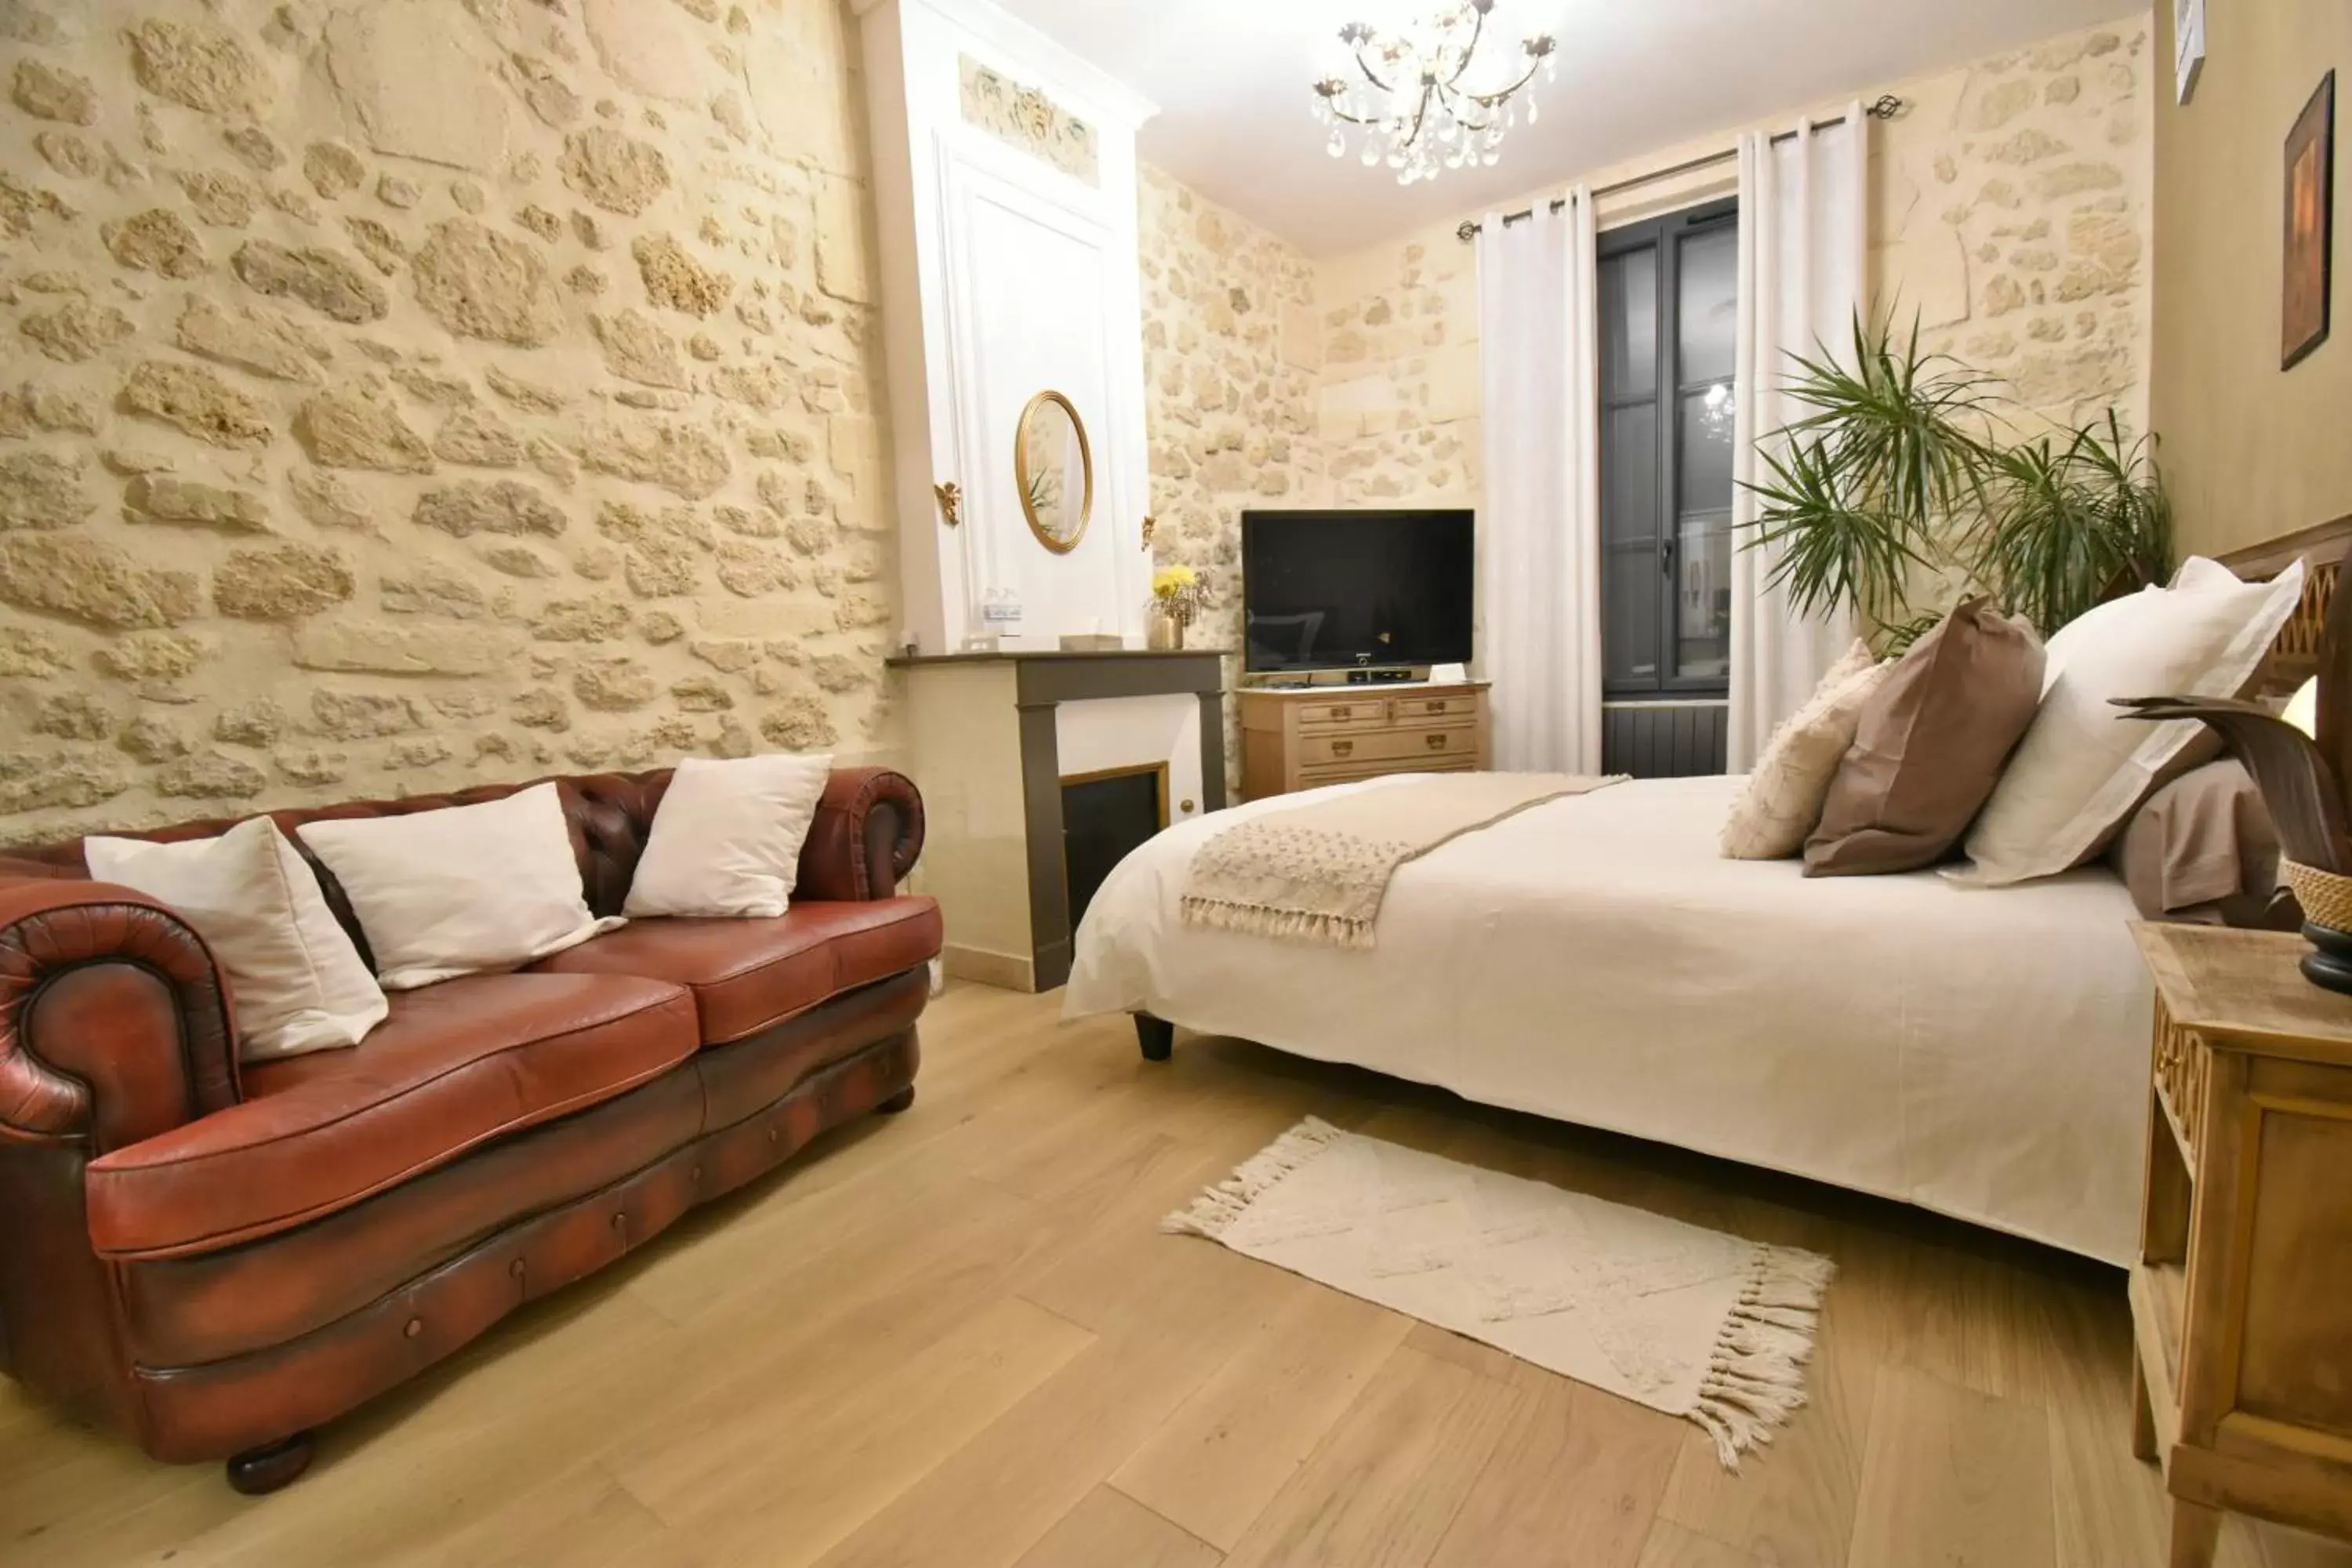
(411,393)
(2011,208)
(1398,409)
(1231,346)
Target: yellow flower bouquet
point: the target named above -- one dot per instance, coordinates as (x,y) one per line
(1177,595)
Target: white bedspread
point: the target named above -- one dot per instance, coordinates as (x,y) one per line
(1979,1051)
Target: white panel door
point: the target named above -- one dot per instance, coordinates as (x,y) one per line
(1032,308)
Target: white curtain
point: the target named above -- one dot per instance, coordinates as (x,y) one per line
(1803,253)
(1539,520)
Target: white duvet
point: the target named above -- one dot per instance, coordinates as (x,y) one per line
(1982,1052)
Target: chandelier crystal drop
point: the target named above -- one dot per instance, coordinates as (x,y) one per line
(1413,98)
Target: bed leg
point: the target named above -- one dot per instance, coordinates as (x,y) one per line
(1156,1036)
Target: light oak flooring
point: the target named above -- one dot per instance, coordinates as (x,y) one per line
(955,1338)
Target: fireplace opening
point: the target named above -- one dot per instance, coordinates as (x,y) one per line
(1104,815)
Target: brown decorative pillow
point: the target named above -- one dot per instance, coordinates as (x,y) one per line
(1930,746)
(2201,849)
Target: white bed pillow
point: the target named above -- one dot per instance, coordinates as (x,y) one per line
(727,838)
(2084,763)
(297,982)
(467,889)
(1781,801)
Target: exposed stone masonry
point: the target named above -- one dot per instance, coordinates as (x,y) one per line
(410,392)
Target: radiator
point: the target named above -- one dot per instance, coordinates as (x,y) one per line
(1663,739)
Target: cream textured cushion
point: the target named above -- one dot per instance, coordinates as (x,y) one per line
(296,981)
(1783,797)
(2084,763)
(467,889)
(727,838)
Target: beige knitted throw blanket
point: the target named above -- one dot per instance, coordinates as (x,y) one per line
(1318,873)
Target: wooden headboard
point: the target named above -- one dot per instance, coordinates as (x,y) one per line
(2300,651)
(2317,639)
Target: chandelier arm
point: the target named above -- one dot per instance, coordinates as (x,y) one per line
(1338,113)
(1477,32)
(1490,100)
(1452,101)
(1369,75)
(1420,115)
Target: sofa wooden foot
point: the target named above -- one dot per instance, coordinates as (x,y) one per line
(1156,1036)
(258,1471)
(896,1103)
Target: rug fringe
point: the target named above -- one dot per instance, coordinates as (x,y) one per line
(1756,1378)
(1283,925)
(1219,1205)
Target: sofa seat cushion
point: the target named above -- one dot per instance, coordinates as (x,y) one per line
(455,1065)
(750,974)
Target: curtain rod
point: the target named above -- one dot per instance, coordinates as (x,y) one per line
(1885,107)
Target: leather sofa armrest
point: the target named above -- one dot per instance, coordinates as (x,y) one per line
(114,1023)
(867,834)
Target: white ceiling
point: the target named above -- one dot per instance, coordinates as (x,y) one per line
(1231,78)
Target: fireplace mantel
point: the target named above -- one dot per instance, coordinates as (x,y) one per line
(989,735)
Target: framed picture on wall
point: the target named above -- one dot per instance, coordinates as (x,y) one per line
(2188,46)
(2310,226)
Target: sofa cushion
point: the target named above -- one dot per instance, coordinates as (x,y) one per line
(749,975)
(455,1065)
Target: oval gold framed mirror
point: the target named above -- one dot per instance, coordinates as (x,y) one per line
(1056,470)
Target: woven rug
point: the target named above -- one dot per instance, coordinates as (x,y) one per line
(1683,1320)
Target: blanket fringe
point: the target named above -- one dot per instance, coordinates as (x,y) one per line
(1283,925)
(1756,1378)
(1218,1207)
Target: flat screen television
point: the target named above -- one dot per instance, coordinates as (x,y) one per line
(1349,590)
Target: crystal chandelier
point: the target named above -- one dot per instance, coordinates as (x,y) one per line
(1418,113)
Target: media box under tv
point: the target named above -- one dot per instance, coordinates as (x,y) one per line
(1377,594)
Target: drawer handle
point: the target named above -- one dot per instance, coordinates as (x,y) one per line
(1437,743)
(1437,705)
(1341,713)
(1342,748)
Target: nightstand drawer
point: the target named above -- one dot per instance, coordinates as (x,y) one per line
(1395,746)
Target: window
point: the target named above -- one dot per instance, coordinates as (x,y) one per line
(1669,317)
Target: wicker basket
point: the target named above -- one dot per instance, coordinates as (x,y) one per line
(2326,897)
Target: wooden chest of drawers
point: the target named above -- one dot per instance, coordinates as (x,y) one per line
(1297,740)
(2242,1299)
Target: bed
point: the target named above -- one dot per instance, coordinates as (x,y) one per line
(1595,960)
(1983,1053)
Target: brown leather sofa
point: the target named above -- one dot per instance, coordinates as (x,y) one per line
(215,1258)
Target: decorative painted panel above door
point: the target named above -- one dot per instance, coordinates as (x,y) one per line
(1005,173)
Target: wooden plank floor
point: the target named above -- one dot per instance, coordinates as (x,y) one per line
(955,1338)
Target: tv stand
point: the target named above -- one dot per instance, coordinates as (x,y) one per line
(1296,738)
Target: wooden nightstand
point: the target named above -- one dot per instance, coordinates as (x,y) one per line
(2242,1302)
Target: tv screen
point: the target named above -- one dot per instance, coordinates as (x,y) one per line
(1340,590)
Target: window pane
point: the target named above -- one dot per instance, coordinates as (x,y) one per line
(1629,324)
(1707,430)
(1629,474)
(1629,615)
(1709,300)
(1703,597)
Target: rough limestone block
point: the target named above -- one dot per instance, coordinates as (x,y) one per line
(414,76)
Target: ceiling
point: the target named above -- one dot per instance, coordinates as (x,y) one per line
(1231,78)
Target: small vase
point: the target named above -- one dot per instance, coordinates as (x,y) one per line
(1164,633)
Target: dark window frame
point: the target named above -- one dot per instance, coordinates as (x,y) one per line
(1665,236)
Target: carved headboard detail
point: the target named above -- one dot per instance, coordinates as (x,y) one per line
(2317,639)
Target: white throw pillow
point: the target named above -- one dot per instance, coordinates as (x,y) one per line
(1782,799)
(2084,763)
(467,889)
(727,837)
(297,982)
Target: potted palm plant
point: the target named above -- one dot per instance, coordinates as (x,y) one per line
(1899,470)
